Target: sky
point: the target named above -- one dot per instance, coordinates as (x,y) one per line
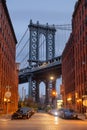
(46,11)
(57,12)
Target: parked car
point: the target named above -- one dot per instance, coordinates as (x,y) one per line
(53,112)
(67,113)
(22,113)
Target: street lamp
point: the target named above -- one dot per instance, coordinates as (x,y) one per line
(54,93)
(51,78)
(6,100)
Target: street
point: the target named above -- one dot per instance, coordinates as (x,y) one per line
(42,121)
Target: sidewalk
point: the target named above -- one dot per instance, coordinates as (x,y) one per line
(5,117)
(82,117)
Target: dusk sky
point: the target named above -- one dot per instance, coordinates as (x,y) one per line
(55,12)
(45,11)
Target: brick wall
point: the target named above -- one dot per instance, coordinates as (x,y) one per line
(8,72)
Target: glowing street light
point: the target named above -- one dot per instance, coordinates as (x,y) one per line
(54,93)
(51,77)
(6,100)
(7,97)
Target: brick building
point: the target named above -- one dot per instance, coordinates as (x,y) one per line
(68,74)
(79,68)
(8,70)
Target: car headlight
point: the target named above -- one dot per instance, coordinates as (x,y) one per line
(56,113)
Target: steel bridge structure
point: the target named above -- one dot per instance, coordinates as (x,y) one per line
(38,69)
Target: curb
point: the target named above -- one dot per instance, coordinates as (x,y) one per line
(82,117)
(5,117)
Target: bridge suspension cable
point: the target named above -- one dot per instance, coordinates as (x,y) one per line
(21,38)
(24,64)
(24,58)
(22,48)
(67,27)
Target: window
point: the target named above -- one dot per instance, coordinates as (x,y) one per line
(85,3)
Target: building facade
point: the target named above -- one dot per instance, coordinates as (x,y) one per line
(79,25)
(8,68)
(79,67)
(68,74)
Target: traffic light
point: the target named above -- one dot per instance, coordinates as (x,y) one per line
(54,93)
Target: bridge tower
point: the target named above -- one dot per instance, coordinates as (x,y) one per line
(35,32)
(49,33)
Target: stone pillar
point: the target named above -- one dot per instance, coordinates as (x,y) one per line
(54,94)
(37,92)
(30,86)
(54,84)
(47,93)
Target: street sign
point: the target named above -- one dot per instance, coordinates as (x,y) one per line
(8,94)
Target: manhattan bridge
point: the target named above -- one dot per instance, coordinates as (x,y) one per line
(39,55)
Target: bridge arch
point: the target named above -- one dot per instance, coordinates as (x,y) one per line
(42,47)
(42,92)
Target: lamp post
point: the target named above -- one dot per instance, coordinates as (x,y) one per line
(53,91)
(54,94)
(7,98)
